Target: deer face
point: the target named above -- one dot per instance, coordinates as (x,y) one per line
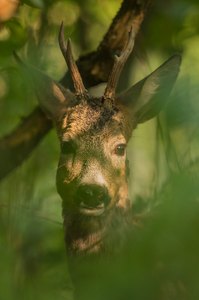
(91,176)
(93,152)
(93,134)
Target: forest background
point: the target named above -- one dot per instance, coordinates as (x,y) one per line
(163,155)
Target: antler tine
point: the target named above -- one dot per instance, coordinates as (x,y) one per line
(66,50)
(118,66)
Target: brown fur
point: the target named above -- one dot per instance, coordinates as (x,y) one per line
(95,129)
(92,176)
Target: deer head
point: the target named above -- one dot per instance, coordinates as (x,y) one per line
(92,175)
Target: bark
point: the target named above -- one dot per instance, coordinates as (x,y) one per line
(15,147)
(94,68)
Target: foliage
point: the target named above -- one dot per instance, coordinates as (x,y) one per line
(160,255)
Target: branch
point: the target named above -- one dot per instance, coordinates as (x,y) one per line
(16,147)
(94,67)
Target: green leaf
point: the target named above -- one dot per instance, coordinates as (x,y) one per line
(34,3)
(17,37)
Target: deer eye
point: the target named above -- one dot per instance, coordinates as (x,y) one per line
(120,149)
(68,147)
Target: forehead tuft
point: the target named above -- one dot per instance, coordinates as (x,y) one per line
(91,118)
(79,119)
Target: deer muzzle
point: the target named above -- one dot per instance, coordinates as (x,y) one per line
(92,199)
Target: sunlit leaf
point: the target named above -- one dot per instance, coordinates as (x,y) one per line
(34,3)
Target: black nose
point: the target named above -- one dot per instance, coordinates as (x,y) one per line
(92,196)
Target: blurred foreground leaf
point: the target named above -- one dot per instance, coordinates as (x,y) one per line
(34,3)
(15,37)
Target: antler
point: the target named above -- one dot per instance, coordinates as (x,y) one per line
(80,90)
(118,66)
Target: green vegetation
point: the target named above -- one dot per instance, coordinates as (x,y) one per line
(161,256)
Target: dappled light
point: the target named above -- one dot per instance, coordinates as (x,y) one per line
(154,248)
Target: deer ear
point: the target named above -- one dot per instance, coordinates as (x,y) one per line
(53,98)
(148,97)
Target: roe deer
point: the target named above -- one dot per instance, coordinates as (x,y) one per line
(92,175)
